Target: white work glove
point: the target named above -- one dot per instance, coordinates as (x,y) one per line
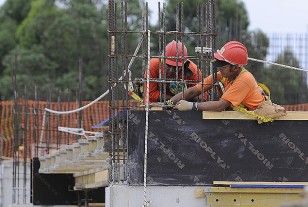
(183,105)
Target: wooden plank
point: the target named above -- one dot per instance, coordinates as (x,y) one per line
(156,108)
(76,168)
(225,196)
(91,171)
(5,158)
(291,115)
(97,185)
(101,176)
(259,183)
(96,204)
(91,180)
(92,205)
(228,190)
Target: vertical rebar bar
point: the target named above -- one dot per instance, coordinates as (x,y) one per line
(25,145)
(164,48)
(47,124)
(59,119)
(112,69)
(80,93)
(68,117)
(36,121)
(16,125)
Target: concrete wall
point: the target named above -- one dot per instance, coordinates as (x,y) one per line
(158,196)
(6,176)
(21,193)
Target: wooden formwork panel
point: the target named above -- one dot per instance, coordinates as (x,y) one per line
(91,179)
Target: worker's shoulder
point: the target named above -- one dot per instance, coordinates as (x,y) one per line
(191,63)
(192,66)
(247,77)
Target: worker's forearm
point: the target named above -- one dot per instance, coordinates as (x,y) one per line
(207,106)
(176,98)
(188,94)
(212,106)
(167,98)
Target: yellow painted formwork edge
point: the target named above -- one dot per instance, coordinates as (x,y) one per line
(291,115)
(252,197)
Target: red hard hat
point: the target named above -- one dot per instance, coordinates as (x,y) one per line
(175,55)
(233,52)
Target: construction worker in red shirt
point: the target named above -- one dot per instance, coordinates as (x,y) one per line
(175,64)
(238,85)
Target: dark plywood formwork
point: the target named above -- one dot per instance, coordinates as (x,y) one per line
(184,149)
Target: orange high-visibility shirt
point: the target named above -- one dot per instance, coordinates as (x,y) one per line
(244,89)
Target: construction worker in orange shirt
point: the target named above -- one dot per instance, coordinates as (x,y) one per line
(174,68)
(238,85)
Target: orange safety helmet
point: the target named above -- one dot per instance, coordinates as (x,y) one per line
(174,56)
(233,52)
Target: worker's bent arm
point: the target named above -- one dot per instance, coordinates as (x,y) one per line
(188,94)
(220,105)
(167,98)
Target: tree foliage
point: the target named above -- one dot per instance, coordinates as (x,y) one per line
(54,42)
(12,14)
(47,42)
(287,86)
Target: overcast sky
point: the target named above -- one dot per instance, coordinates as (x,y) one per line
(286,16)
(271,16)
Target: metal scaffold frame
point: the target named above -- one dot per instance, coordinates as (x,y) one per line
(121,62)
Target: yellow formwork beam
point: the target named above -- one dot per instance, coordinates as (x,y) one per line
(252,197)
(91,179)
(226,115)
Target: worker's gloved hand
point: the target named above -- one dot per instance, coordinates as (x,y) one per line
(169,103)
(183,105)
(176,88)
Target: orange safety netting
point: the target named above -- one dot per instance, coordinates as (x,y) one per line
(29,127)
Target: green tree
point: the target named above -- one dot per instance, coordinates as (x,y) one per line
(15,9)
(257,45)
(56,38)
(28,72)
(232,21)
(7,38)
(41,15)
(12,14)
(287,86)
